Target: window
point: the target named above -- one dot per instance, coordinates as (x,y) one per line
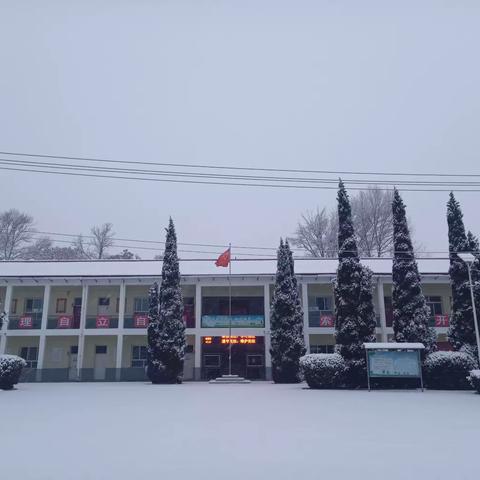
(435,304)
(322,348)
(139,356)
(211,360)
(30,355)
(103,305)
(117,305)
(13,306)
(240,305)
(140,305)
(100,349)
(33,305)
(322,304)
(77,302)
(61,305)
(74,349)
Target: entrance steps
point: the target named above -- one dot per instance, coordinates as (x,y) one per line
(229,379)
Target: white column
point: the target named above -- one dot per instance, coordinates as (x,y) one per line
(43,332)
(266,307)
(198,336)
(6,308)
(381,310)
(305,316)
(81,338)
(121,305)
(118,362)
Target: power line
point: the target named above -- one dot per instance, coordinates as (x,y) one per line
(197,182)
(175,173)
(223,167)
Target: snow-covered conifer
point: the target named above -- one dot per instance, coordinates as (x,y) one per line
(166,334)
(355,316)
(410,311)
(461,331)
(286,322)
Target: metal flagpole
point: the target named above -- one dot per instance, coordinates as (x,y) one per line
(230,310)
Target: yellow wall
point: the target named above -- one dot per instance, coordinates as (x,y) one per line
(322,339)
(94,293)
(57,351)
(70,293)
(91,341)
(15,344)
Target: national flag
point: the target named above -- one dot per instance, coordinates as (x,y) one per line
(224,259)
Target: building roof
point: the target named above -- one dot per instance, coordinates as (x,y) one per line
(393,346)
(153,268)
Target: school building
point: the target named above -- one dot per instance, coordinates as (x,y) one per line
(86,320)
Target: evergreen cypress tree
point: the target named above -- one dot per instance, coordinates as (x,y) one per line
(410,310)
(166,336)
(355,316)
(286,322)
(462,331)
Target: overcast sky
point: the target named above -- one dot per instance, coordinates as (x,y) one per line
(333,85)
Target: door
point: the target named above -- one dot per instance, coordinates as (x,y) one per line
(72,365)
(100,366)
(77,309)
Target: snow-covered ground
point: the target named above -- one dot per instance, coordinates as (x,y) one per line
(199,431)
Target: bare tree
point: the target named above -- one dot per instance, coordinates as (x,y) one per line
(81,249)
(16,230)
(372,215)
(102,239)
(317,234)
(373,220)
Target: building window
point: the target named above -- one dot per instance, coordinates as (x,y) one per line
(140,305)
(322,348)
(61,305)
(33,305)
(103,305)
(30,355)
(320,312)
(13,305)
(435,304)
(100,349)
(139,356)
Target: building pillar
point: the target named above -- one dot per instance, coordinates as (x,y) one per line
(43,332)
(81,338)
(381,310)
(305,316)
(266,308)
(121,305)
(118,361)
(6,309)
(197,372)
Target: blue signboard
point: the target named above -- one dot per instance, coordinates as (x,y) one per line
(223,321)
(392,363)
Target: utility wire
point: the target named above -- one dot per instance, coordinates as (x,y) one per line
(223,167)
(197,182)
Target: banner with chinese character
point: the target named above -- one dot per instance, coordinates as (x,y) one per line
(441,321)
(327,321)
(25,322)
(140,321)
(64,321)
(103,321)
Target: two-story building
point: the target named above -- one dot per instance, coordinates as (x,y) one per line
(86,320)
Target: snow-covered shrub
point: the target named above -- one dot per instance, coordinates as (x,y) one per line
(10,370)
(448,370)
(323,370)
(474,379)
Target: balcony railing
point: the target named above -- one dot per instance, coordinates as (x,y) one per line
(62,322)
(27,321)
(138,320)
(101,321)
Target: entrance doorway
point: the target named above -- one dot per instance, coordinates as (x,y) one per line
(73,363)
(100,365)
(248,357)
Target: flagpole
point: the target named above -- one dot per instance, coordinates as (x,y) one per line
(230,311)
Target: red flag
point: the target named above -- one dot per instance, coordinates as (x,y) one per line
(224,259)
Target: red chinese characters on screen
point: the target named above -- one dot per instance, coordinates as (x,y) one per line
(441,321)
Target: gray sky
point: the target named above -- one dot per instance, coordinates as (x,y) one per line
(331,85)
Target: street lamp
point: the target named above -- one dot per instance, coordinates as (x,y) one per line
(468,258)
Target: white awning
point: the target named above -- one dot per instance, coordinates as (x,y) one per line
(393,346)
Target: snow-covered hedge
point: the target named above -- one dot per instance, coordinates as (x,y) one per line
(10,370)
(323,370)
(474,379)
(448,370)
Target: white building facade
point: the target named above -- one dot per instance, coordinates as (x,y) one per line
(86,321)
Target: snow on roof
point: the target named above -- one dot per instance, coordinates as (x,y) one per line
(393,346)
(196,267)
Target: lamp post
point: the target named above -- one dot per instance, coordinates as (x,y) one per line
(468,258)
